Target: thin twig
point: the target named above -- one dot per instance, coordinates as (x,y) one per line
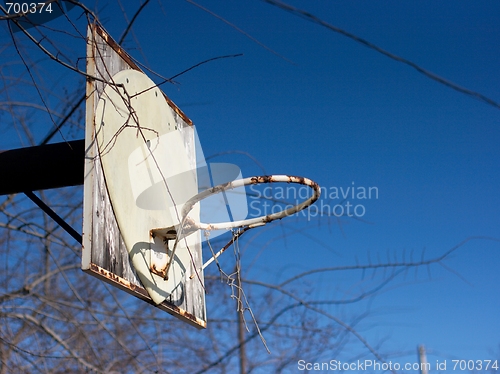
(310,17)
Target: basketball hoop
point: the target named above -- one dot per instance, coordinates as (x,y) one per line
(251,222)
(189,225)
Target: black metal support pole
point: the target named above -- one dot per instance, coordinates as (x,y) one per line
(42,167)
(66,227)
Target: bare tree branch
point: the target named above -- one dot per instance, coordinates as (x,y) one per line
(312,18)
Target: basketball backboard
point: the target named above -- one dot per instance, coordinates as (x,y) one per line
(148,191)
(140,168)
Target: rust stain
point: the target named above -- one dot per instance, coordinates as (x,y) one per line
(113,277)
(140,292)
(159,271)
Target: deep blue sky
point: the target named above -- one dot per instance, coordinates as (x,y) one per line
(340,113)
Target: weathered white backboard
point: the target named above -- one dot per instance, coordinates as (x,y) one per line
(140,168)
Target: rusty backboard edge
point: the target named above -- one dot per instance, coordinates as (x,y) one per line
(128,59)
(141,293)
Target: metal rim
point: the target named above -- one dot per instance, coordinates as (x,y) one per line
(246,224)
(251,222)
